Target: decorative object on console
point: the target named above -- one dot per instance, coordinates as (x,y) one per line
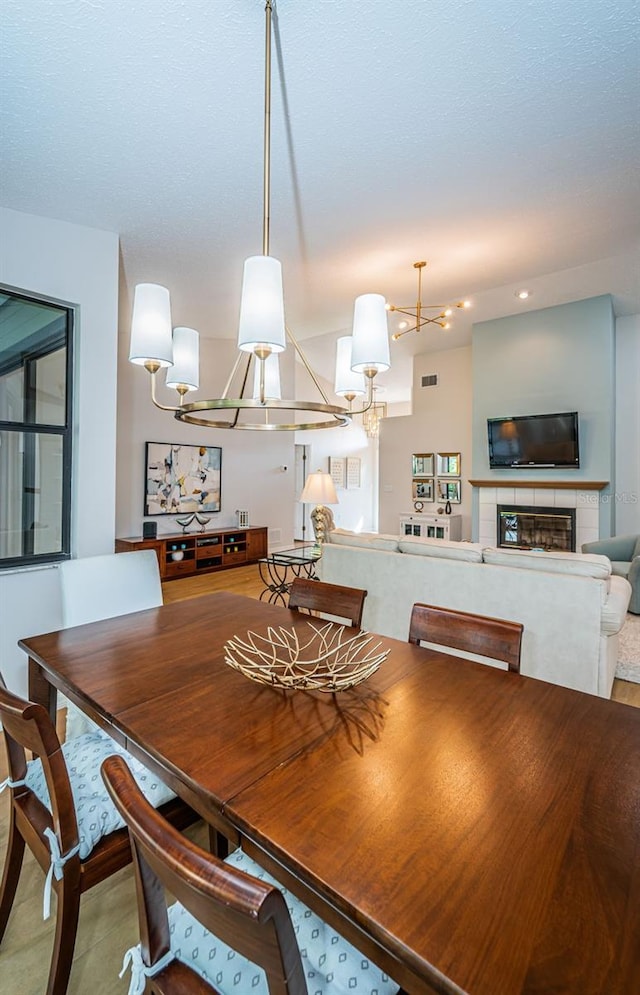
(415,311)
(319,490)
(262,334)
(447,508)
(184,522)
(149,530)
(243,519)
(180,478)
(329,660)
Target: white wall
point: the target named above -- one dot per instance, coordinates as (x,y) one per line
(441,422)
(252,475)
(627,487)
(78,266)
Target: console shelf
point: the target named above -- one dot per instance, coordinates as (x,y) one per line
(183,554)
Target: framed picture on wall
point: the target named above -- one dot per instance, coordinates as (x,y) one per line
(422,490)
(422,465)
(353,472)
(449,490)
(337,470)
(180,479)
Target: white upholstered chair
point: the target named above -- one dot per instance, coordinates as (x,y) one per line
(98,587)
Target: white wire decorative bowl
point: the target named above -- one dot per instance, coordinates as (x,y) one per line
(328,659)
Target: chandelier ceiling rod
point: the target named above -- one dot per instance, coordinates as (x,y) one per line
(262,334)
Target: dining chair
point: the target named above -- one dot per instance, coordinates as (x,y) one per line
(97,587)
(495,638)
(232,926)
(330,599)
(60,808)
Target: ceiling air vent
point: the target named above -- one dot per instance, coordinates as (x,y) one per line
(430,381)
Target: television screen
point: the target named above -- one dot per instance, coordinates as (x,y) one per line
(534,440)
(180,479)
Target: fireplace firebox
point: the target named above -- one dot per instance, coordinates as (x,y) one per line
(525,527)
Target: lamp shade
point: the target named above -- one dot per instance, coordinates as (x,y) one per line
(262,306)
(151,339)
(370,349)
(319,489)
(185,371)
(271,378)
(347,382)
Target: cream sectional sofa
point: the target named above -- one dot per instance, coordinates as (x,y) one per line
(570,604)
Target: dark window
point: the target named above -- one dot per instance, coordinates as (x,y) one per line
(36,340)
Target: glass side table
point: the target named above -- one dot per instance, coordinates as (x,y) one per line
(279,570)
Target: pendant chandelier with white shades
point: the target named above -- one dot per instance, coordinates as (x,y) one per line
(262,334)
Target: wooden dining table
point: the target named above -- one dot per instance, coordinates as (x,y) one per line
(470,830)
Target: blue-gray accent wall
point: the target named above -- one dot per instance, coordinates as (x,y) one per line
(557,359)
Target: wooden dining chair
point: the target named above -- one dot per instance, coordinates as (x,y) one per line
(495,638)
(61,810)
(232,927)
(97,587)
(330,599)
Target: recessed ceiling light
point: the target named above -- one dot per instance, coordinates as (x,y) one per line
(523,295)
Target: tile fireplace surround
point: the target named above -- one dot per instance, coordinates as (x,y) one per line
(586,503)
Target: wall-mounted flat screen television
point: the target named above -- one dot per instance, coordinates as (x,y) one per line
(534,440)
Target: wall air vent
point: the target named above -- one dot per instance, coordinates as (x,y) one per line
(430,381)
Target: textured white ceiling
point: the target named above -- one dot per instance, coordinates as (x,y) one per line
(498,139)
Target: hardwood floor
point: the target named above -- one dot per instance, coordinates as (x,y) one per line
(108,923)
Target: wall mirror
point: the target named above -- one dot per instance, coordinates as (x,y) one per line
(449,490)
(422,490)
(448,465)
(422,465)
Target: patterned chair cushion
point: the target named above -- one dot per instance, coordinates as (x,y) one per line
(95,812)
(331,965)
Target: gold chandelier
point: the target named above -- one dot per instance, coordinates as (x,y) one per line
(372,417)
(262,335)
(416,311)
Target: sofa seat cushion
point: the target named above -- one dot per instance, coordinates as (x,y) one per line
(370,540)
(96,814)
(331,965)
(470,552)
(577,564)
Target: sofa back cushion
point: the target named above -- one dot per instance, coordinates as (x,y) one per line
(370,540)
(470,552)
(578,564)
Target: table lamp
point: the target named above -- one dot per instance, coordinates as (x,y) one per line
(319,490)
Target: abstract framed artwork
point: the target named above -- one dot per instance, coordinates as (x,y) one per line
(182,478)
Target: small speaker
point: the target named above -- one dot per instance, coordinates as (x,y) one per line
(149,530)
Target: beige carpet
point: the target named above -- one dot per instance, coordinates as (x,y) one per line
(628,667)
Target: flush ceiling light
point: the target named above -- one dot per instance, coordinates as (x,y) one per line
(415,311)
(262,334)
(523,295)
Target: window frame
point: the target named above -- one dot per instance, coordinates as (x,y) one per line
(31,429)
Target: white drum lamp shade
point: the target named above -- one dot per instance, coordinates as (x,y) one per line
(185,371)
(271,378)
(319,489)
(347,382)
(151,338)
(370,349)
(262,306)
